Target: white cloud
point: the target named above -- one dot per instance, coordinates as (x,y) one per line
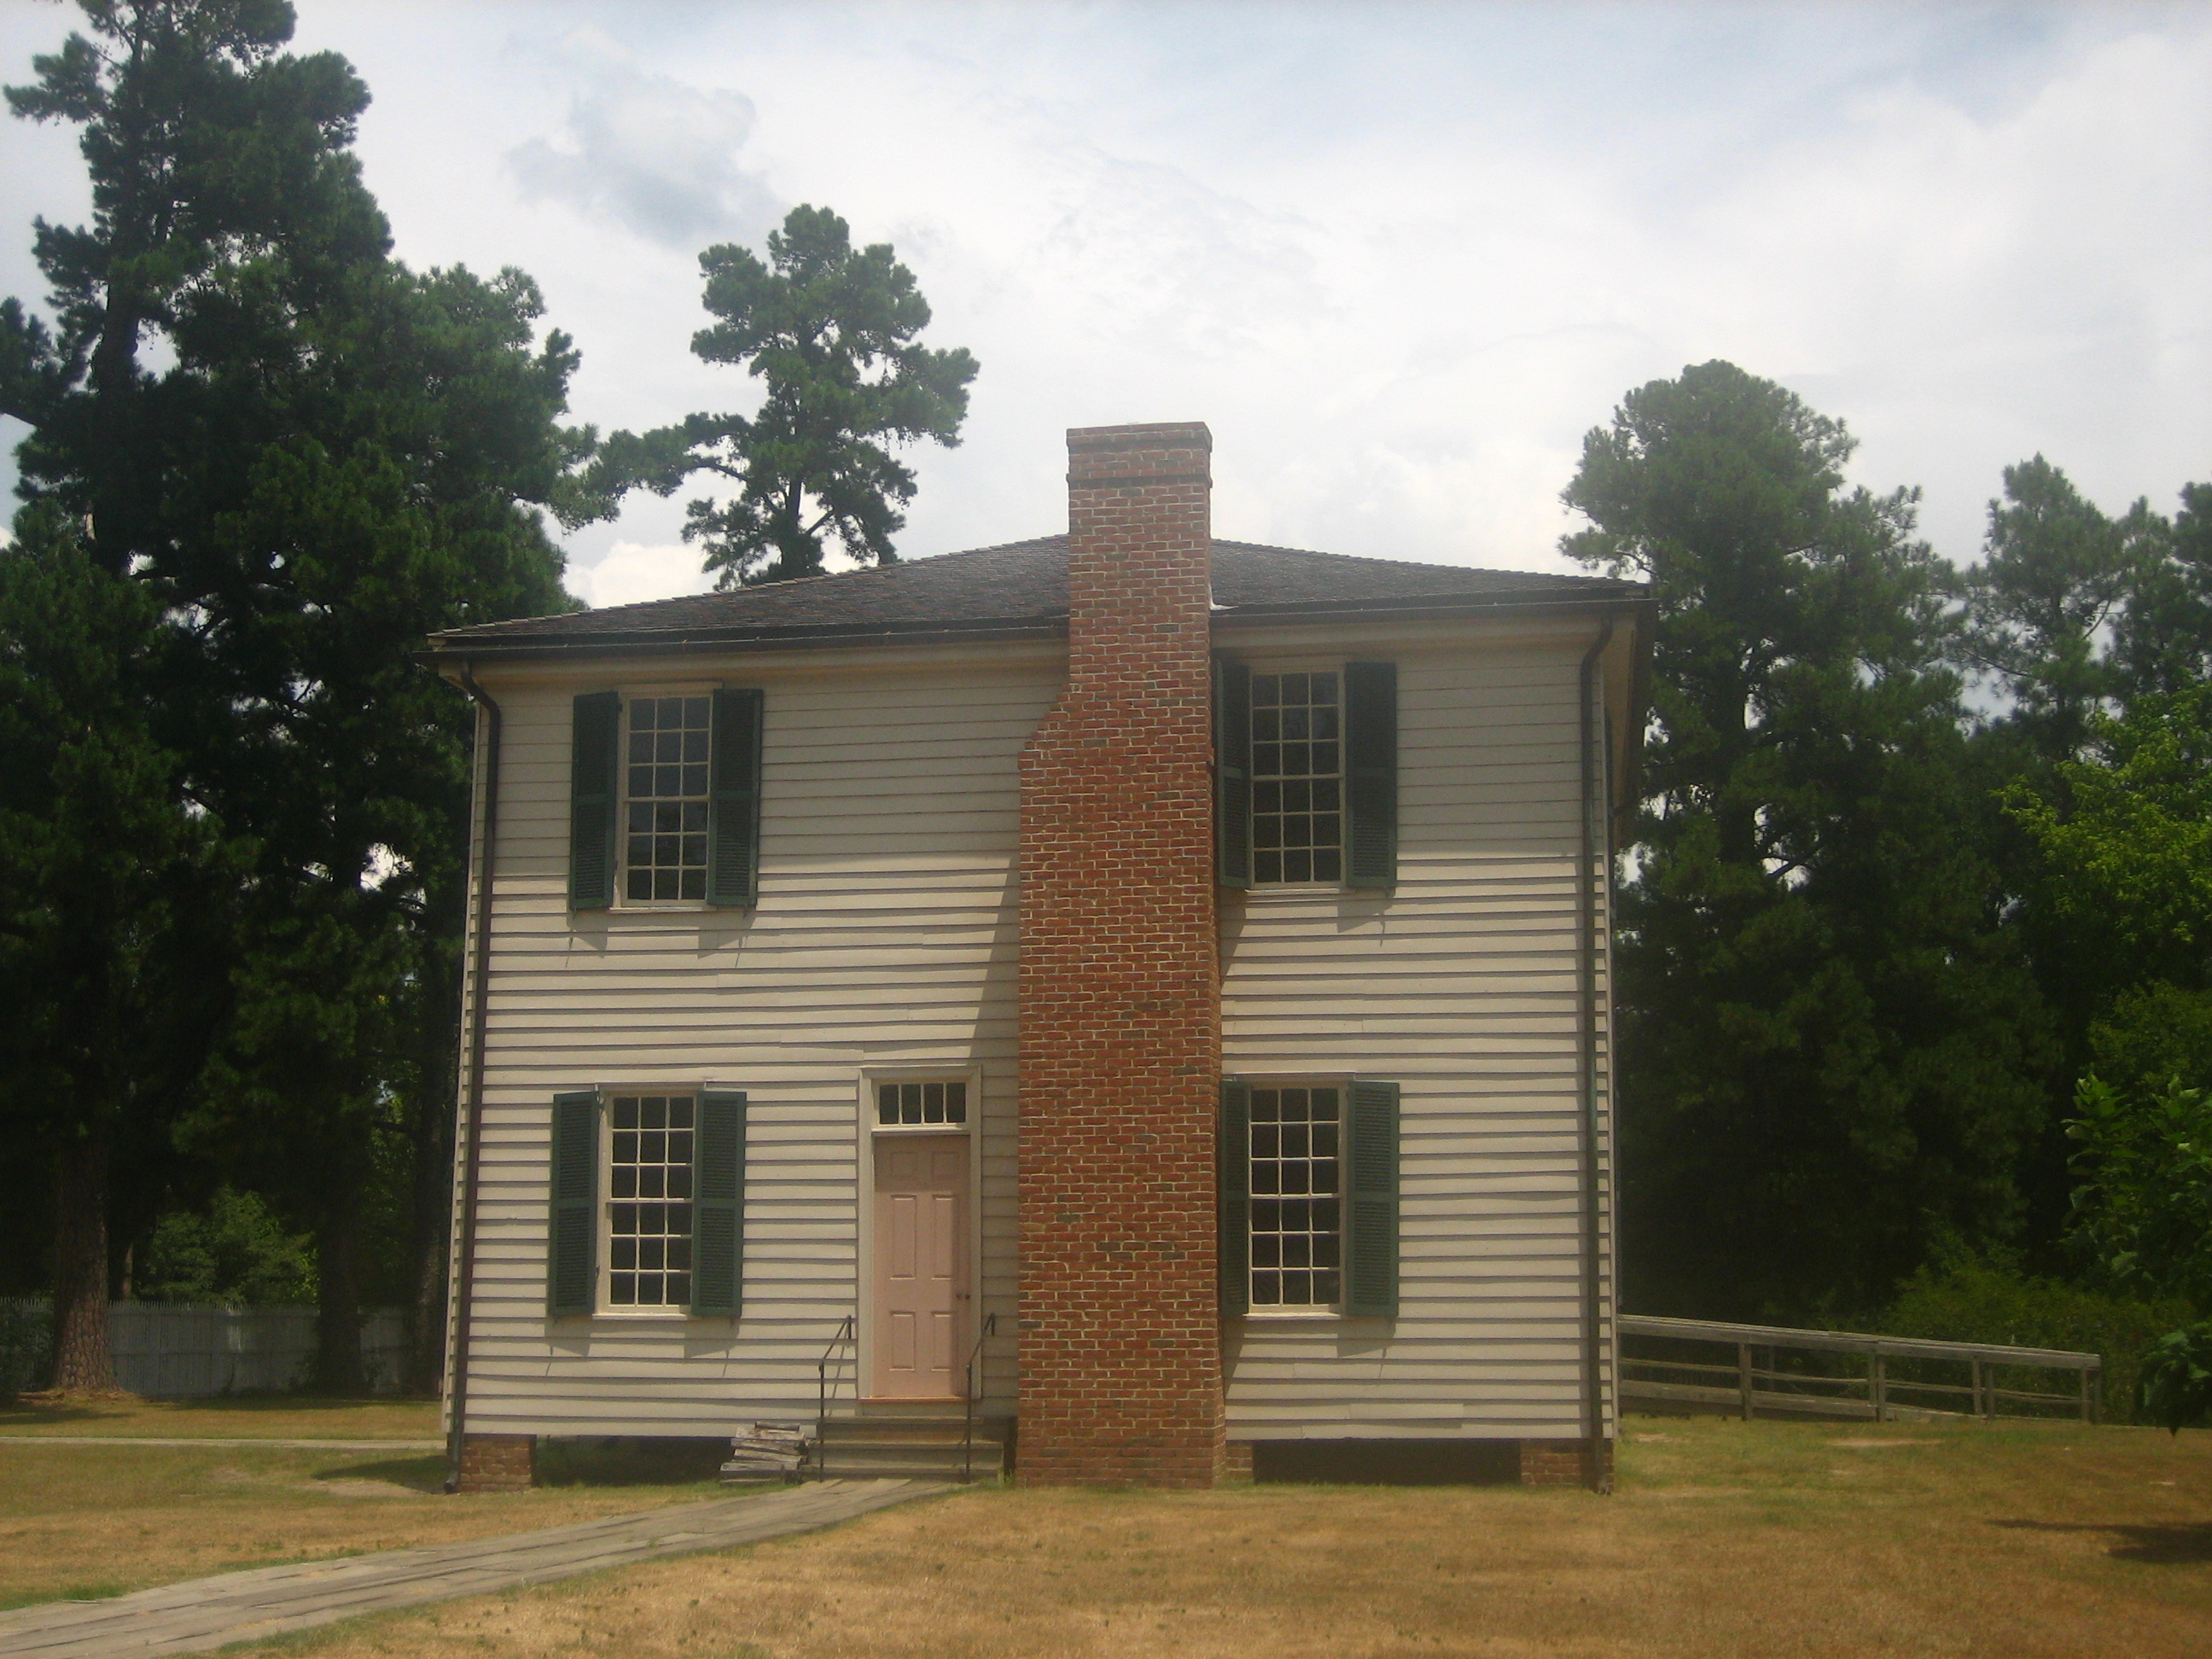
(648,152)
(1401,257)
(631,572)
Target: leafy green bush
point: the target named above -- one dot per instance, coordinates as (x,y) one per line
(237,1254)
(1964,1297)
(27,1346)
(2177,1379)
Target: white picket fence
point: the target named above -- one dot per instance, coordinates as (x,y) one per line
(171,1352)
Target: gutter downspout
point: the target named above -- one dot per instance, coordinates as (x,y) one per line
(479,974)
(1586,926)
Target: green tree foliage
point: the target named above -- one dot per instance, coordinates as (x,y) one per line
(2163,642)
(2143,1219)
(236,1253)
(2142,1213)
(2072,617)
(1826,1045)
(830,332)
(107,988)
(383,502)
(1960,1296)
(335,457)
(2056,576)
(2126,837)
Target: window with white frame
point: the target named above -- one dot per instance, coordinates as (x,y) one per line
(1298,778)
(907,1105)
(649,1212)
(1297,1211)
(666,798)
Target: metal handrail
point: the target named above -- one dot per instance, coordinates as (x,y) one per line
(843,1338)
(968,1429)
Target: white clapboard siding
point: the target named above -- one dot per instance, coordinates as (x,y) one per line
(1459,985)
(886,934)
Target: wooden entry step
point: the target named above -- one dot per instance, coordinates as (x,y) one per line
(901,1440)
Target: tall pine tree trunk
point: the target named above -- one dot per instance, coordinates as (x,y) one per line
(338,1367)
(82,1362)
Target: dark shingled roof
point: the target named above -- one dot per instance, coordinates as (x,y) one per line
(1019,588)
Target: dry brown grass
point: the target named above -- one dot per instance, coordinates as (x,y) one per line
(1726,1538)
(276,1417)
(87,1521)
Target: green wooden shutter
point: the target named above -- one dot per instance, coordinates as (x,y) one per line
(1234,1152)
(733,818)
(595,747)
(1370,774)
(1371,1162)
(718,1186)
(573,1225)
(1232,773)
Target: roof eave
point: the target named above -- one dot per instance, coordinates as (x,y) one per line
(1422,606)
(456,647)
(489,647)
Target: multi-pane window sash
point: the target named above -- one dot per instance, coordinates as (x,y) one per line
(1297,1222)
(903,1103)
(665,850)
(1298,778)
(649,1219)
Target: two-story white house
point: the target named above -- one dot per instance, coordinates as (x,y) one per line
(1148,995)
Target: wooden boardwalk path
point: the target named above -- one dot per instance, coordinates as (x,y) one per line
(240,1607)
(216,1442)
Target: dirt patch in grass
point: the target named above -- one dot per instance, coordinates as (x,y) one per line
(244,1417)
(79,1521)
(1984,1541)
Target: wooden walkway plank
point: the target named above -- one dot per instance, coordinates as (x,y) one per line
(211,1613)
(216,1442)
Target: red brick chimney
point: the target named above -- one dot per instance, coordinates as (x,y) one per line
(1120,1018)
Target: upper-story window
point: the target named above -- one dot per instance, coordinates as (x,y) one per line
(1298,778)
(665,798)
(1305,775)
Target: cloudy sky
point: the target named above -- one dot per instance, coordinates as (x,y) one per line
(1400,258)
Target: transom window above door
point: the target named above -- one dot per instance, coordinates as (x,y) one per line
(902,1105)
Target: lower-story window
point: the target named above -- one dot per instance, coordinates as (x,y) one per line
(1298,1219)
(649,1201)
(1307,1181)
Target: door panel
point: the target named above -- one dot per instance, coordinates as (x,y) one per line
(921,1265)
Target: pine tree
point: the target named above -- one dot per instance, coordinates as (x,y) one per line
(831,332)
(1827,1048)
(108,870)
(337,457)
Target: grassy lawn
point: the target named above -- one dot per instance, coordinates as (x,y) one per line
(271,1417)
(89,1521)
(1726,1538)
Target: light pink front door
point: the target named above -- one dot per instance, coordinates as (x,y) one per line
(921,1266)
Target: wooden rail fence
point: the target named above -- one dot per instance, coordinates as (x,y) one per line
(1770,1372)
